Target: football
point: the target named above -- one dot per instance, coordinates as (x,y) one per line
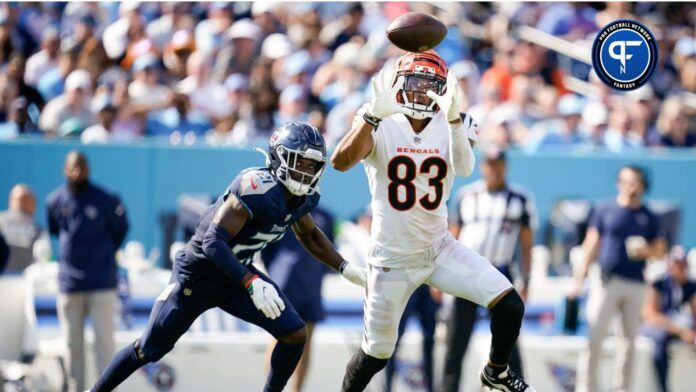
(416,32)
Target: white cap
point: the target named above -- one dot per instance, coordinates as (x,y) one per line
(78,78)
(244,28)
(595,113)
(260,7)
(276,46)
(128,6)
(348,54)
(464,69)
(644,93)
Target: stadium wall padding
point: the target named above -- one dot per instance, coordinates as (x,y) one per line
(149,176)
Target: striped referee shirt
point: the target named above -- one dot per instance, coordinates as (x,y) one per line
(490,222)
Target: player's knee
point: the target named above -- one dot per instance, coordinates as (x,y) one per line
(380,350)
(298,336)
(509,306)
(151,352)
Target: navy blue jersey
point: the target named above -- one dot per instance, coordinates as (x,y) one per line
(673,295)
(270,217)
(615,224)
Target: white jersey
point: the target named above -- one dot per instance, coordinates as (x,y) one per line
(410,179)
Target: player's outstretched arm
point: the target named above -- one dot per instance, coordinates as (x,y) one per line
(318,244)
(358,142)
(354,146)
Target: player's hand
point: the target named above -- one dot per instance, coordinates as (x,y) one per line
(449,101)
(355,275)
(265,297)
(384,88)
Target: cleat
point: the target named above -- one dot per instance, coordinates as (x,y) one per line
(507,381)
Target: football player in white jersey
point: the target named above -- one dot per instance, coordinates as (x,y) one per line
(412,141)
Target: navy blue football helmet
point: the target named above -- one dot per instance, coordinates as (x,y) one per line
(291,147)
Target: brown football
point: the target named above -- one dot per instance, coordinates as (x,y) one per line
(416,31)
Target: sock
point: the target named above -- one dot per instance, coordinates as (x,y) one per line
(360,371)
(120,368)
(494,371)
(283,363)
(506,319)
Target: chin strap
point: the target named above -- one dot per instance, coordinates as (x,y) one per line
(265,154)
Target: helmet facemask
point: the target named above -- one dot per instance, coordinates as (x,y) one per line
(414,96)
(293,173)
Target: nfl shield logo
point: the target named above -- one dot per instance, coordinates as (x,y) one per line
(416,139)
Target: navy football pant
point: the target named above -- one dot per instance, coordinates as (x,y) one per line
(179,306)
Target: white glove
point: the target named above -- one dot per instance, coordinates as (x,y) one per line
(265,297)
(383,102)
(449,101)
(355,275)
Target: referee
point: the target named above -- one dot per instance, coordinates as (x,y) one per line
(492,216)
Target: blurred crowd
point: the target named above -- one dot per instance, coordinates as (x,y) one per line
(229,73)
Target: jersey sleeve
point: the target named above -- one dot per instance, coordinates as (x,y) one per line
(596,218)
(653,230)
(252,189)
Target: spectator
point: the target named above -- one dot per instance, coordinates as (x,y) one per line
(204,95)
(145,91)
(51,83)
(176,54)
(619,135)
(468,75)
(260,121)
(91,224)
(641,105)
(106,115)
(492,217)
(673,125)
(622,235)
(15,71)
(72,104)
(9,91)
(239,57)
(19,228)
(44,60)
(177,118)
(300,278)
(292,104)
(342,29)
(661,311)
(18,121)
(594,123)
(173,20)
(564,131)
(210,32)
(121,34)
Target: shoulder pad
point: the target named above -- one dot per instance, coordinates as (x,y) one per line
(255,182)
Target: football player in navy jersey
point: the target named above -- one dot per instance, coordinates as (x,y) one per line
(214,270)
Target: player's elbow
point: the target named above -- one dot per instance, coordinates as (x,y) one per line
(210,243)
(339,161)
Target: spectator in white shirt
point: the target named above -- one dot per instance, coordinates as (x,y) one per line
(44,60)
(72,104)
